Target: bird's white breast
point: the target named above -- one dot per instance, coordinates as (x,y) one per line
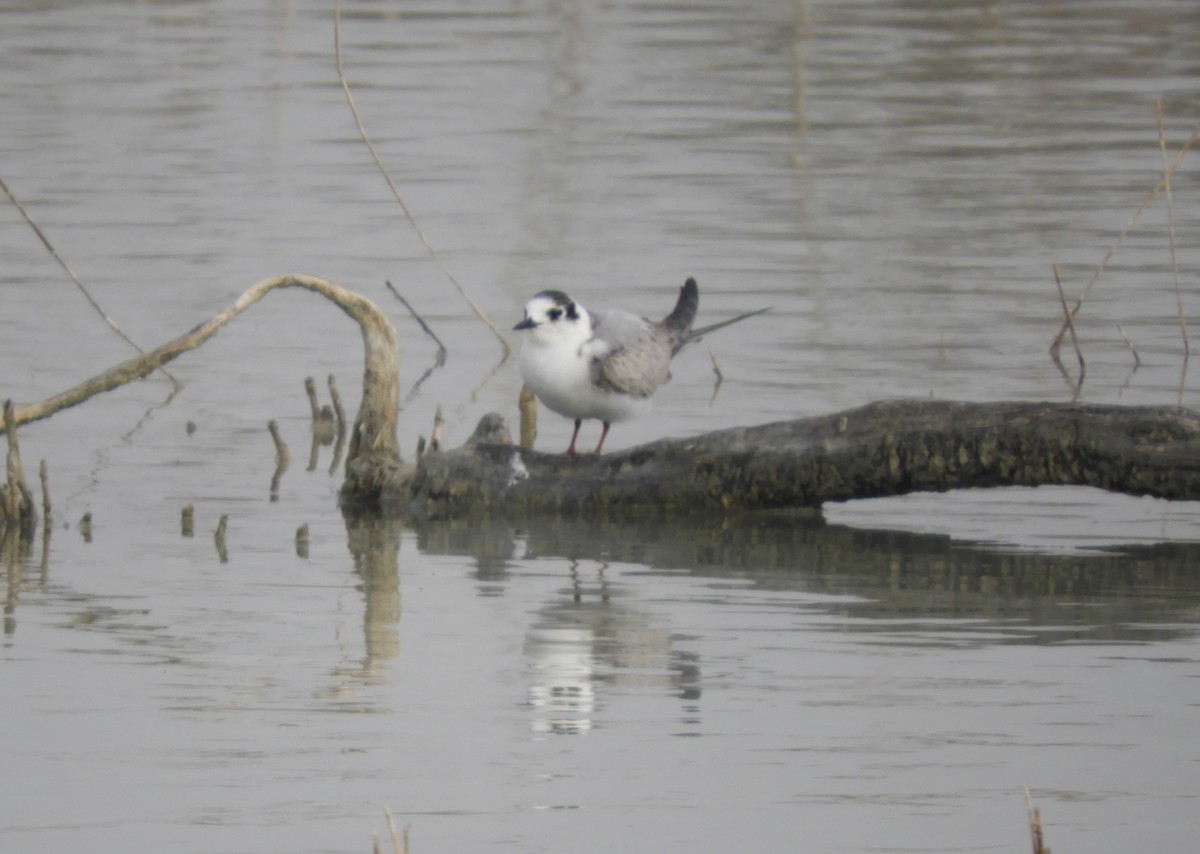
(559,373)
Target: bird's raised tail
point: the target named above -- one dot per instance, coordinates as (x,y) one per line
(679,322)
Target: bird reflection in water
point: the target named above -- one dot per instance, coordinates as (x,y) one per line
(590,638)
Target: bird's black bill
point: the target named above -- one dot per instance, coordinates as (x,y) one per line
(524,324)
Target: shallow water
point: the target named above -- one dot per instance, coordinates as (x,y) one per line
(894,179)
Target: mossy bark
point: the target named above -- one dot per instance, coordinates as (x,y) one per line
(885,448)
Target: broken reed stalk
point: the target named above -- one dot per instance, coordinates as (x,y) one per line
(527,406)
(1036,834)
(323,419)
(362,132)
(71,273)
(1070,321)
(1145,203)
(339,412)
(282,457)
(310,389)
(399,846)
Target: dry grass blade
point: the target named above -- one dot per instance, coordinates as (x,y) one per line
(362,132)
(1166,182)
(1145,203)
(112,324)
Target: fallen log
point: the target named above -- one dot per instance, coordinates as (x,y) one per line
(881,449)
(884,448)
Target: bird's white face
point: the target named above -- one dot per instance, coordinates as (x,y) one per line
(554,319)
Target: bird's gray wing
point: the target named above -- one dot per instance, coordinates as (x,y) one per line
(628,354)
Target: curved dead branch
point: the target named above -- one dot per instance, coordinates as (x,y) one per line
(374,431)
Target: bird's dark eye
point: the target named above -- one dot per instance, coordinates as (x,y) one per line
(554,313)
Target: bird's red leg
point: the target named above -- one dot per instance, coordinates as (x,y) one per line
(574,436)
(603,434)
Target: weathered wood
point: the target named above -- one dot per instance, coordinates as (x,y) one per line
(374,431)
(885,448)
(17,511)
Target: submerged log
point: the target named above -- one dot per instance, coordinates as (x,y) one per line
(884,448)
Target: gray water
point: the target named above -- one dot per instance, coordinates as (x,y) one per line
(894,179)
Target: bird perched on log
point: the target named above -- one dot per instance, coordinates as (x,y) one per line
(603,364)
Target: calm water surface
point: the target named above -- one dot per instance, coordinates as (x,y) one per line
(895,179)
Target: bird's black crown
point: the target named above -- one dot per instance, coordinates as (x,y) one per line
(561,299)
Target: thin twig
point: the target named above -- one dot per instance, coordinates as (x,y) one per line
(1137,360)
(71,273)
(362,131)
(438,362)
(441,356)
(1070,321)
(716,368)
(1166,180)
(1145,203)
(720,376)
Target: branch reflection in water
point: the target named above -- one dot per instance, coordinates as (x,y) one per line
(928,590)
